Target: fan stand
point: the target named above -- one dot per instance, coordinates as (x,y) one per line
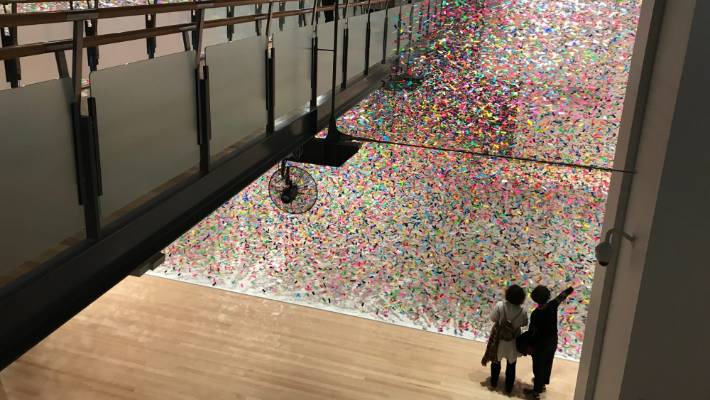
(289,193)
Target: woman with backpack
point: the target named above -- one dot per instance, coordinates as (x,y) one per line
(508,317)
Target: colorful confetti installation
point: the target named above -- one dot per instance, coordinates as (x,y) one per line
(428,238)
(411,236)
(541,79)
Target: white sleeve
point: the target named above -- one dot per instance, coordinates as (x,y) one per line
(495,314)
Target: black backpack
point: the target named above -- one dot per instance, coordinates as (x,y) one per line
(506,330)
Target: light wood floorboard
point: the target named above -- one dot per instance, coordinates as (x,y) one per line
(151,338)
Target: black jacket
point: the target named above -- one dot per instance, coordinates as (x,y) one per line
(543,323)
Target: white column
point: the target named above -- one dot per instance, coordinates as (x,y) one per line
(646,349)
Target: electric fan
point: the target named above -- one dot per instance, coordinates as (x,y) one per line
(292,189)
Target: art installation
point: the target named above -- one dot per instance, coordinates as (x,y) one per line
(430,238)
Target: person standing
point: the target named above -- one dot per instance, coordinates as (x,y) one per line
(543,336)
(508,317)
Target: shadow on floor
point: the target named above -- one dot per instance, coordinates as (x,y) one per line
(517,392)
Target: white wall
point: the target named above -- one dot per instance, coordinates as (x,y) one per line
(646,352)
(668,353)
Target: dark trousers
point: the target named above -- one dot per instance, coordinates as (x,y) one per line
(542,366)
(509,374)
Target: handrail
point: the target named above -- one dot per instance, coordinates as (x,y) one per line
(25,50)
(46,1)
(48,17)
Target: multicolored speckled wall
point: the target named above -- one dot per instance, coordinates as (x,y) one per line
(430,238)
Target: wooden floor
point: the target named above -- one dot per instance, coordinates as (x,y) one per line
(151,338)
